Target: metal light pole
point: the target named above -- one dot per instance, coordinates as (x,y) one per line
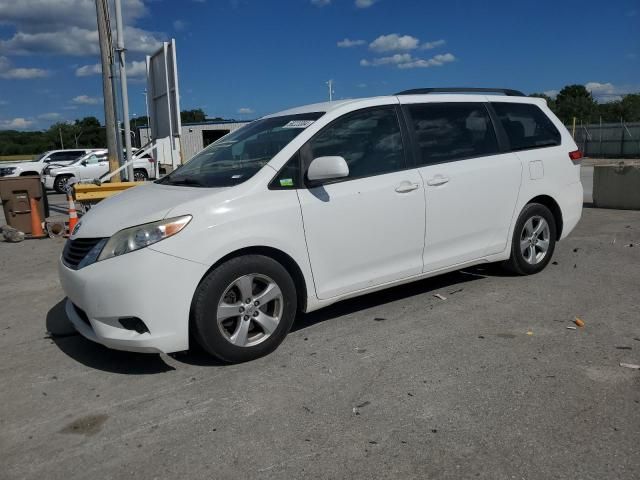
(123,85)
(104,38)
(330,84)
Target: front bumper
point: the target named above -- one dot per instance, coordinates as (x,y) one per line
(152,286)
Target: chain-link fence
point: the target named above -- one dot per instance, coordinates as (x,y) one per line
(608,140)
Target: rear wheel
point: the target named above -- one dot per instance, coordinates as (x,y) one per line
(244,308)
(534,240)
(61,182)
(140,176)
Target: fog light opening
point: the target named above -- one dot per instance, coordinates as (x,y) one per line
(133,323)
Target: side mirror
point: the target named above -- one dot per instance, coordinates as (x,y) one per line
(327,168)
(83,163)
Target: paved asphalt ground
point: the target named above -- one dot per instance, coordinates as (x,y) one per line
(397,384)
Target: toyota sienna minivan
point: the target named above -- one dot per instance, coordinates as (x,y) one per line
(306,207)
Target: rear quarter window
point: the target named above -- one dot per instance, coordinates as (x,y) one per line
(526,126)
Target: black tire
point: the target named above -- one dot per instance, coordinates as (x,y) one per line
(140,176)
(517,262)
(60,183)
(209,294)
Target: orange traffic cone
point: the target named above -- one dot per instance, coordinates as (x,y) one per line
(73,215)
(36,223)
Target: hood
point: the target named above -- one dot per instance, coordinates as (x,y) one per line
(135,206)
(16,164)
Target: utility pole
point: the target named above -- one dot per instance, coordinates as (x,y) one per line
(104,37)
(123,86)
(330,84)
(61,142)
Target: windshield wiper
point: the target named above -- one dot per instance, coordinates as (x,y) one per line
(185,181)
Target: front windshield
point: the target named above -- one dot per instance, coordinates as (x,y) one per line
(39,157)
(239,155)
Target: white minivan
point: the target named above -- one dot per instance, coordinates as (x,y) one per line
(309,206)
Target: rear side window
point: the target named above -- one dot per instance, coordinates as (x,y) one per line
(369,140)
(452,131)
(526,126)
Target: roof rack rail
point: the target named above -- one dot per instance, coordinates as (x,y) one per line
(423,91)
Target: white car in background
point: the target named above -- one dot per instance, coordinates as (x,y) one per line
(36,166)
(313,205)
(91,167)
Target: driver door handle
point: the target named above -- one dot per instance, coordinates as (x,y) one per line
(437,180)
(406,187)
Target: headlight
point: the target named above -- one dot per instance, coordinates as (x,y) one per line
(7,171)
(135,238)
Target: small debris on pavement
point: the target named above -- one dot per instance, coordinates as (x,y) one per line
(530,333)
(10,234)
(575,250)
(554,263)
(572,328)
(456,291)
(579,322)
(441,297)
(379,319)
(356,409)
(623,348)
(630,245)
(630,365)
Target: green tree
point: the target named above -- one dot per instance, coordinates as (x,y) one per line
(192,116)
(575,101)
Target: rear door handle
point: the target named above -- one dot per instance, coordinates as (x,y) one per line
(406,187)
(437,180)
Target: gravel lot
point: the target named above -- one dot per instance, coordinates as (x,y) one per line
(488,383)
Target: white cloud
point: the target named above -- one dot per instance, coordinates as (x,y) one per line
(397,59)
(49,116)
(348,43)
(407,61)
(432,45)
(9,72)
(321,3)
(88,70)
(179,25)
(551,93)
(16,124)
(365,3)
(436,61)
(67,27)
(134,69)
(362,85)
(3,102)
(392,42)
(86,100)
(245,111)
(600,88)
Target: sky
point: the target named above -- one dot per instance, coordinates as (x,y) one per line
(247,58)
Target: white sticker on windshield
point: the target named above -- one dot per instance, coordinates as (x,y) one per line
(298,124)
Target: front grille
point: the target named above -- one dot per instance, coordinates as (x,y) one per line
(76,250)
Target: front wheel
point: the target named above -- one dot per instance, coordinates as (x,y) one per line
(534,240)
(61,182)
(244,308)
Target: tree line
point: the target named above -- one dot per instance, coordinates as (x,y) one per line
(572,101)
(576,101)
(83,133)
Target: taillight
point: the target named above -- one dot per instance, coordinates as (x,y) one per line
(576,155)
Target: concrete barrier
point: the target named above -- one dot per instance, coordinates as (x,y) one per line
(616,186)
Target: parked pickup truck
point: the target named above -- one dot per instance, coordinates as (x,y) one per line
(91,167)
(36,166)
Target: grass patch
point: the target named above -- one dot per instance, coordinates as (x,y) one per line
(15,158)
